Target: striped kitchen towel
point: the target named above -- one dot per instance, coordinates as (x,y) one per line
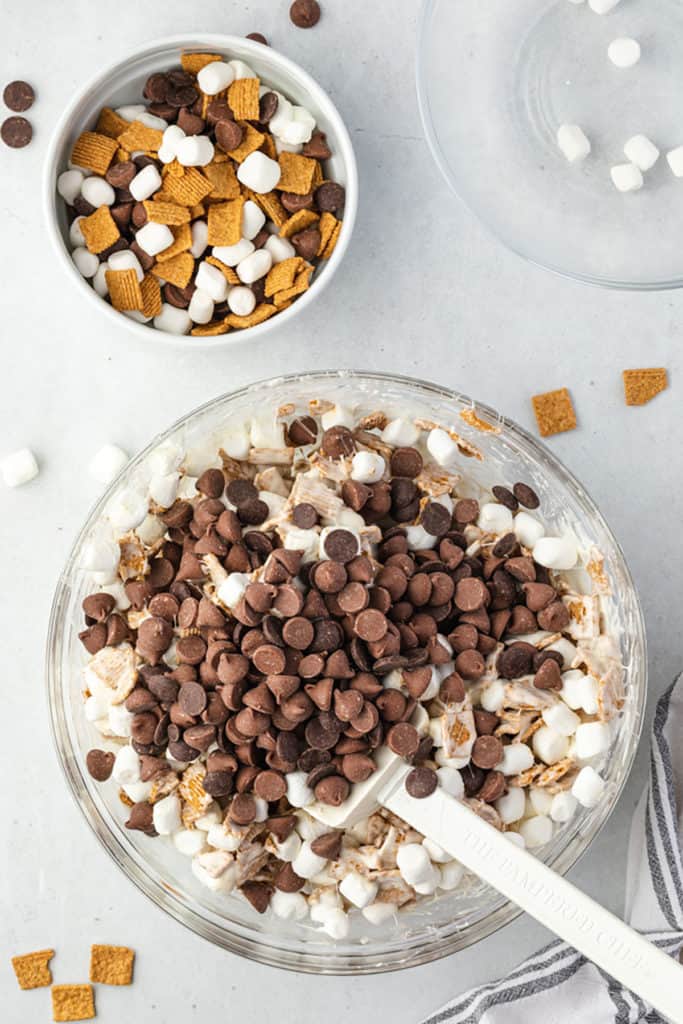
(558,985)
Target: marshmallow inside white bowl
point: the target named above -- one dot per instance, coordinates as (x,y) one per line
(122,84)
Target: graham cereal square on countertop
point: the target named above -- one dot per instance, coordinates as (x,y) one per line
(111,965)
(73,1002)
(33,969)
(554,412)
(641,386)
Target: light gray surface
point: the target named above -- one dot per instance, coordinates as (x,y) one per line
(423,291)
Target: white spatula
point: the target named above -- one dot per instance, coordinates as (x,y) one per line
(520,877)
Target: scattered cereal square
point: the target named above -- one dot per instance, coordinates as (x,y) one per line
(72,1002)
(109,123)
(151,296)
(138,136)
(166,213)
(189,188)
(94,152)
(298,222)
(33,969)
(221,176)
(554,412)
(252,141)
(111,965)
(182,240)
(124,289)
(297,173)
(243,99)
(99,230)
(194,62)
(282,275)
(225,222)
(178,270)
(641,386)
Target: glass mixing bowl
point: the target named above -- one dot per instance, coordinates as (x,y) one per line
(495,80)
(433,929)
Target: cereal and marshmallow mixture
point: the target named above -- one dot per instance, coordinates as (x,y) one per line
(206,208)
(326,588)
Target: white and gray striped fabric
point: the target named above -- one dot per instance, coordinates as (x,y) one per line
(558,985)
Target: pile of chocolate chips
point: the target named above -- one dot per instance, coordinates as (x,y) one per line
(294,679)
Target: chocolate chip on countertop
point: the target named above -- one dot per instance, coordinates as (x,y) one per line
(18,96)
(16,132)
(258,38)
(305,13)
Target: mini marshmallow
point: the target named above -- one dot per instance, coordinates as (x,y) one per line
(261,808)
(641,152)
(297,129)
(334,921)
(69,185)
(560,718)
(442,447)
(493,696)
(452,875)
(282,116)
(206,867)
(367,467)
(145,183)
(573,142)
(98,192)
(173,320)
(153,238)
(536,831)
(126,260)
(201,305)
(279,248)
(253,219)
(267,432)
(150,530)
(567,649)
(87,263)
(358,890)
(231,255)
(173,136)
(289,906)
(99,281)
(166,815)
(378,913)
(236,442)
(255,266)
(120,720)
(19,467)
(588,787)
(152,121)
(100,556)
(289,849)
(215,77)
(241,300)
(118,592)
(624,52)
(556,552)
(540,799)
(517,758)
(591,738)
(163,489)
(549,746)
(436,853)
(209,818)
(580,691)
(76,236)
(232,589)
(298,793)
(95,708)
(165,458)
(189,842)
(306,864)
(495,518)
(131,112)
(127,509)
(107,463)
(563,807)
(626,177)
(514,837)
(602,6)
(259,173)
(126,768)
(401,433)
(241,70)
(418,538)
(219,839)
(307,541)
(200,233)
(527,529)
(414,864)
(431,884)
(451,781)
(195,151)
(674,159)
(338,416)
(138,791)
(511,806)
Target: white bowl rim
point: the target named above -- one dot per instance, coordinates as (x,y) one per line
(205,41)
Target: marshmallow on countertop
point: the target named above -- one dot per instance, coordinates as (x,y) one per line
(624,52)
(107,463)
(19,467)
(641,152)
(674,158)
(573,142)
(626,177)
(259,173)
(401,433)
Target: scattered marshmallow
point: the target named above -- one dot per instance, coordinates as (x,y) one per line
(200,236)
(19,467)
(338,416)
(624,52)
(87,264)
(152,121)
(580,691)
(414,864)
(126,260)
(674,159)
(602,6)
(236,440)
(241,300)
(495,518)
(100,556)
(452,875)
(69,185)
(241,69)
(358,890)
(166,815)
(536,831)
(451,780)
(511,806)
(126,768)
(253,219)
(76,236)
(367,467)
(231,590)
(563,807)
(189,842)
(400,433)
(98,192)
(127,509)
(442,447)
(99,281)
(154,238)
(517,758)
(418,538)
(132,111)
(588,787)
(436,853)
(549,745)
(493,696)
(279,248)
(231,255)
(556,552)
(259,173)
(289,906)
(334,921)
(215,77)
(172,320)
(378,913)
(540,799)
(306,864)
(527,529)
(591,738)
(212,281)
(573,142)
(626,177)
(298,793)
(195,151)
(201,305)
(145,183)
(255,266)
(173,136)
(107,463)
(641,152)
(561,718)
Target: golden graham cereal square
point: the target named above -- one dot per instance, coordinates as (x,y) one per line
(166,213)
(189,188)
(94,152)
(298,222)
(178,270)
(282,275)
(72,1002)
(243,99)
(109,123)
(554,412)
(111,965)
(228,273)
(331,245)
(225,222)
(100,230)
(252,141)
(138,136)
(33,969)
(271,206)
(261,313)
(641,386)
(222,181)
(182,240)
(151,296)
(296,173)
(194,62)
(124,289)
(210,330)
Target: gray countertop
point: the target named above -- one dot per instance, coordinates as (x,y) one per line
(423,291)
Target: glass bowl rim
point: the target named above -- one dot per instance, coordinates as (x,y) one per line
(414,951)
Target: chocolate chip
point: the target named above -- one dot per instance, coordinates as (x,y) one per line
(307,243)
(98,606)
(16,132)
(240,492)
(548,676)
(406,462)
(357,767)
(328,845)
(333,790)
(305,13)
(140,819)
(403,739)
(302,431)
(243,809)
(526,496)
(190,650)
(505,546)
(521,568)
(321,733)
(487,751)
(330,197)
(492,788)
(120,175)
(470,665)
(317,147)
(287,880)
(293,202)
(156,88)
(515,661)
(253,513)
(466,511)
(370,625)
(341,545)
(338,442)
(229,135)
(190,123)
(99,764)
(155,634)
(304,516)
(192,698)
(505,496)
(554,618)
(258,894)
(452,689)
(486,722)
(421,782)
(212,483)
(471,594)
(270,786)
(298,633)
(181,95)
(18,96)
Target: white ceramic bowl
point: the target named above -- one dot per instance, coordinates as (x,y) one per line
(122,83)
